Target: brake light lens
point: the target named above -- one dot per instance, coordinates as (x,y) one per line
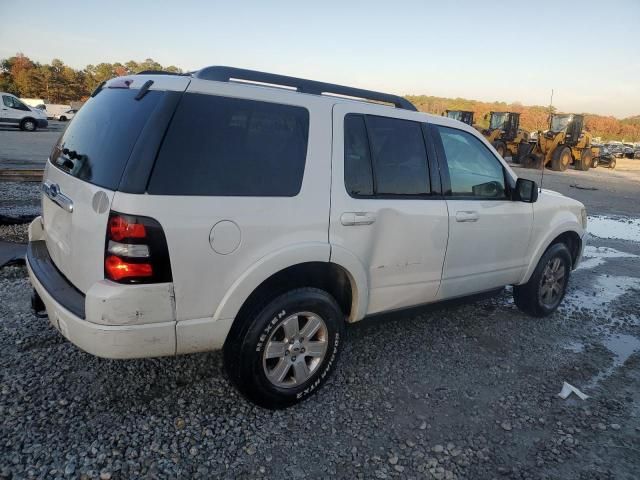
(117,269)
(120,228)
(136,250)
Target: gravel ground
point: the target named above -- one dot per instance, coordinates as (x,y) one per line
(459,392)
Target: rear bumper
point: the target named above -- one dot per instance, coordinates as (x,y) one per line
(89,321)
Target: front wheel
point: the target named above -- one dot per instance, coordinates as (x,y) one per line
(612,163)
(286,350)
(28,125)
(546,288)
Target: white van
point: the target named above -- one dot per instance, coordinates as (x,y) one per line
(209,213)
(14,111)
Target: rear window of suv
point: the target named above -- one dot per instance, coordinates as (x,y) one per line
(98,142)
(220,146)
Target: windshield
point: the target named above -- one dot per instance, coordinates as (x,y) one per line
(498,120)
(455,115)
(559,123)
(97,144)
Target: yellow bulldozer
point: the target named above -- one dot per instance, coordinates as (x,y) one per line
(564,143)
(505,134)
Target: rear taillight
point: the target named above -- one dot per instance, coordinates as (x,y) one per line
(136,250)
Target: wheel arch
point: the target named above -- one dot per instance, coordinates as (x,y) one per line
(296,267)
(564,233)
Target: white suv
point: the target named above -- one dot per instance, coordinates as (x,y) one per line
(185,213)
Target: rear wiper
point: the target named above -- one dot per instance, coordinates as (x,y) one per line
(98,89)
(143,90)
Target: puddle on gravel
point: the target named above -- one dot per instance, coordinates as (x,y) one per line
(618,228)
(595,256)
(622,347)
(604,289)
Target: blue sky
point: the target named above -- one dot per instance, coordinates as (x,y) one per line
(587,51)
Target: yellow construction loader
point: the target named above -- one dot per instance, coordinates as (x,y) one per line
(505,134)
(563,144)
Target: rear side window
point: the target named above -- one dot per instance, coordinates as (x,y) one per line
(98,142)
(219,146)
(384,157)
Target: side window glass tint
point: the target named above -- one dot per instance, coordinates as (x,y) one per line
(8,101)
(399,156)
(223,146)
(473,170)
(358,177)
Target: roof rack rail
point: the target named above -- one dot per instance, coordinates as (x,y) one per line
(159,72)
(227,74)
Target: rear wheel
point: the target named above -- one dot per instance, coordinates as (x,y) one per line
(586,159)
(63,118)
(501,148)
(560,159)
(28,125)
(612,163)
(286,349)
(546,288)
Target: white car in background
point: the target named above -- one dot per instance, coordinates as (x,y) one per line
(15,112)
(67,115)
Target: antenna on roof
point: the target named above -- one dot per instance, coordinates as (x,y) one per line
(542,162)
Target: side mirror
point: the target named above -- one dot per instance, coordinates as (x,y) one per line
(526,191)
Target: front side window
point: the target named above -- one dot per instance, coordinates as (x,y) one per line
(220,146)
(385,157)
(473,170)
(559,123)
(13,102)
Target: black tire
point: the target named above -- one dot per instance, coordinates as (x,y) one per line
(63,118)
(594,162)
(245,350)
(28,125)
(501,147)
(612,163)
(586,158)
(528,297)
(560,159)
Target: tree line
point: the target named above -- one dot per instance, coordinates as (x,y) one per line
(59,83)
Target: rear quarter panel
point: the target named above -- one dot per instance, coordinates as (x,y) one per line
(203,279)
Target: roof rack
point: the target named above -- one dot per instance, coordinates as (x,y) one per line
(227,74)
(160,72)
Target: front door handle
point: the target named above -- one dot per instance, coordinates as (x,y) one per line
(357,218)
(467,216)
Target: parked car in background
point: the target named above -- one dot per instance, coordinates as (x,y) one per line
(55,110)
(627,150)
(636,153)
(16,113)
(615,148)
(604,158)
(68,115)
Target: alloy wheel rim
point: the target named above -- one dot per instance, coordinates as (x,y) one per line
(29,125)
(552,282)
(295,349)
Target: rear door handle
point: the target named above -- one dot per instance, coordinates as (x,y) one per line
(357,218)
(467,216)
